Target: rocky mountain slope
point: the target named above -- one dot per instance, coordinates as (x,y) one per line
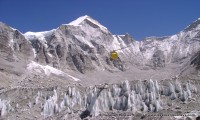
(66,73)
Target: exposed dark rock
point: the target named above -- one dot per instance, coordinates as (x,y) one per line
(195,60)
(85,114)
(128,39)
(158,59)
(14,43)
(119,64)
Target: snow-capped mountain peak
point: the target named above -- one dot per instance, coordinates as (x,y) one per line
(79,21)
(194,25)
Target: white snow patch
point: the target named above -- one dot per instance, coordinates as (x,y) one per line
(35,54)
(13,28)
(33,66)
(11,43)
(97,23)
(121,35)
(118,44)
(74,78)
(102,67)
(48,70)
(40,35)
(79,20)
(50,55)
(173,37)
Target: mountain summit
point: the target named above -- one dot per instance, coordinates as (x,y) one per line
(194,25)
(86,19)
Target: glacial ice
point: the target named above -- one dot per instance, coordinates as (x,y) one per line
(125,96)
(5,107)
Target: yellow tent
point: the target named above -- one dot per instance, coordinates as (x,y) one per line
(114,55)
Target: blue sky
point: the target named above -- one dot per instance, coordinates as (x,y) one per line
(139,18)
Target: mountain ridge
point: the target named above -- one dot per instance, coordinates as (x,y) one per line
(96,41)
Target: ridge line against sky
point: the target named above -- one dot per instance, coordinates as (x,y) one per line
(139,18)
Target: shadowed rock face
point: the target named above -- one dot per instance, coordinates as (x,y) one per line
(195,60)
(82,62)
(128,39)
(14,44)
(158,59)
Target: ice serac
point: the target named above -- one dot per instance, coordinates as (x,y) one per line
(125,96)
